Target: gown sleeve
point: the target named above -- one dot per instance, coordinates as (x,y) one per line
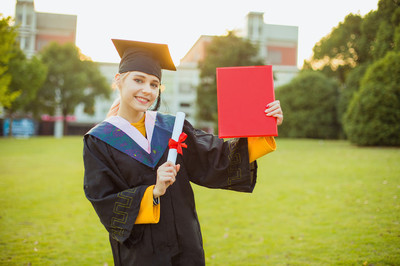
(215,163)
(116,204)
(148,212)
(260,146)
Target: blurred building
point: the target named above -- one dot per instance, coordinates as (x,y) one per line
(37,29)
(278,46)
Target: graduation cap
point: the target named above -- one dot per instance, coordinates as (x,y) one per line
(145,57)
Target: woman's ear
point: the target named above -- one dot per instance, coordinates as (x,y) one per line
(117,77)
(162,87)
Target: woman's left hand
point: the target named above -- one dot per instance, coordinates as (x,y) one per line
(274,109)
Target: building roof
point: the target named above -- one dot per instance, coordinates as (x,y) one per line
(56,21)
(198,50)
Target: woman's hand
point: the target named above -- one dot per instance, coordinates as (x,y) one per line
(166,174)
(274,109)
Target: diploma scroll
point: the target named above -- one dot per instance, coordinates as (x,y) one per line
(178,126)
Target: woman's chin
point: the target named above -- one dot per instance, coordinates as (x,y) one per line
(140,110)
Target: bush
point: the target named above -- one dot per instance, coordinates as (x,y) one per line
(351,86)
(373,116)
(347,91)
(309,106)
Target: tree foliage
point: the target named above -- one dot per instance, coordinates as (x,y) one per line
(223,51)
(8,36)
(373,116)
(309,105)
(72,79)
(387,21)
(341,50)
(358,40)
(346,92)
(27,76)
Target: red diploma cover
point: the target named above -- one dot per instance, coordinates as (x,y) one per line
(243,93)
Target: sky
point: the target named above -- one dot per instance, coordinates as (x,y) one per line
(180,23)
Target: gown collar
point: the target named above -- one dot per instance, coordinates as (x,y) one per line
(133,133)
(120,134)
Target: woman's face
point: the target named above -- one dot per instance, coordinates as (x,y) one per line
(138,90)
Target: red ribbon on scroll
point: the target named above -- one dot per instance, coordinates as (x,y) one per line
(178,145)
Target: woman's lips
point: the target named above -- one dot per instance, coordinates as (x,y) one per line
(141,100)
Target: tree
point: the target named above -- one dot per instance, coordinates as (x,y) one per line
(351,86)
(358,40)
(373,116)
(309,103)
(8,36)
(72,79)
(27,76)
(387,21)
(340,51)
(223,51)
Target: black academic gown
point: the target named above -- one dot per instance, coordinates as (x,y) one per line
(115,182)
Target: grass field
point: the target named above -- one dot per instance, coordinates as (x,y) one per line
(315,203)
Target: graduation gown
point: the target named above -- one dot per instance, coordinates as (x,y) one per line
(118,170)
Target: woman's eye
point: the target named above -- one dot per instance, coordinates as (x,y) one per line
(154,85)
(138,80)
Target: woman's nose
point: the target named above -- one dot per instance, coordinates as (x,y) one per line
(146,88)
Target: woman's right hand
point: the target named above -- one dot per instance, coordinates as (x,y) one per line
(166,174)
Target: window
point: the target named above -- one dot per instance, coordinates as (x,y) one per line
(29,20)
(185,105)
(23,43)
(274,57)
(185,88)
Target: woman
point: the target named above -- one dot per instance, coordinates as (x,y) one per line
(145,203)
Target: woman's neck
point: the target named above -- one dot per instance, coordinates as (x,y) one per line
(130,115)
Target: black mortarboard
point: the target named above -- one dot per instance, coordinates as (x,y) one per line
(145,57)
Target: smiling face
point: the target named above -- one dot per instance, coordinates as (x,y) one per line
(138,92)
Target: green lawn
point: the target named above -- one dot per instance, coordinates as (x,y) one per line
(315,203)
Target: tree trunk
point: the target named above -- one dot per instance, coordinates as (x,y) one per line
(65,123)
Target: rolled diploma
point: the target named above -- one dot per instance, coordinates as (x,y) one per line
(178,125)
